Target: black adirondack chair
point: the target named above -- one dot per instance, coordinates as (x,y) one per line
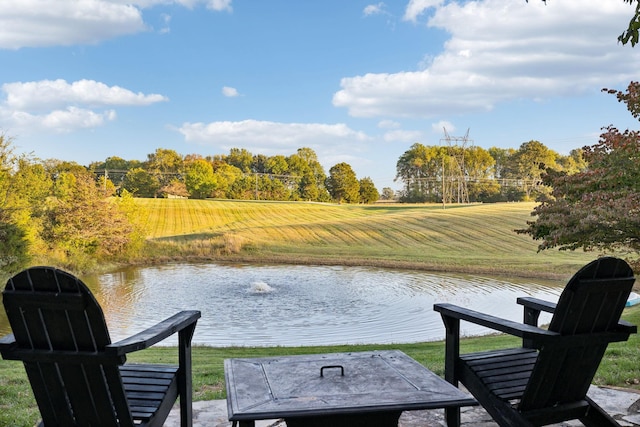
(546,380)
(78,377)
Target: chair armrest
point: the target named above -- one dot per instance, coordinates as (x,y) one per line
(628,327)
(531,313)
(503,325)
(154,334)
(537,304)
(536,337)
(7,342)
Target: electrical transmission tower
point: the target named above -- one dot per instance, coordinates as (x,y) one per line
(454,177)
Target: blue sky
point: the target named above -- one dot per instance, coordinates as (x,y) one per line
(357,81)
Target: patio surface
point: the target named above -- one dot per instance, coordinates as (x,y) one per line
(623,405)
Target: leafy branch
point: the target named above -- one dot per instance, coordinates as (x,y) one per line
(632,33)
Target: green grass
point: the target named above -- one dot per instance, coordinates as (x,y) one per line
(473,239)
(619,368)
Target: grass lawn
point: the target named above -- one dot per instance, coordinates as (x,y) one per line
(470,238)
(619,367)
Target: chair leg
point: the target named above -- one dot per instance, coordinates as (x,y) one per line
(597,417)
(185,384)
(452,416)
(452,353)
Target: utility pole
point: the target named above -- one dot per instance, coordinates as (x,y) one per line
(256,174)
(443,185)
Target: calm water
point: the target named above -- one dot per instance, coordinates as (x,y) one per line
(253,305)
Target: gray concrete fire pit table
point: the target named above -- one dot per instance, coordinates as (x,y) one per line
(369,388)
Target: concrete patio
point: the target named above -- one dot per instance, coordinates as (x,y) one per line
(623,405)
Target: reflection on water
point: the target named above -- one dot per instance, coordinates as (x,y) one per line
(251,305)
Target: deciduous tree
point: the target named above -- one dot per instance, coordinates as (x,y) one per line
(368,191)
(175,188)
(342,184)
(528,164)
(30,188)
(140,183)
(388,193)
(240,158)
(13,240)
(501,158)
(277,165)
(83,225)
(420,168)
(631,33)
(199,178)
(224,177)
(599,207)
(308,175)
(165,165)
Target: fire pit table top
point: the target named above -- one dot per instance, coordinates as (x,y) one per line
(334,384)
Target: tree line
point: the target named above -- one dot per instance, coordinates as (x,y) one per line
(237,175)
(459,174)
(428,173)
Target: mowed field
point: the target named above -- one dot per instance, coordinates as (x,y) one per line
(470,238)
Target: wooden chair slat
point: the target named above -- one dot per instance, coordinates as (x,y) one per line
(44,300)
(49,392)
(516,352)
(146,381)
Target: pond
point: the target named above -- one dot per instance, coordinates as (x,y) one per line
(258,305)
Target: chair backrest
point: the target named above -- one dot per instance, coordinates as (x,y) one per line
(591,303)
(61,335)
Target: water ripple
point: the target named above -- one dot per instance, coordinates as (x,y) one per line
(249,305)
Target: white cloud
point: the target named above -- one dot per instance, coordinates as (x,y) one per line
(500,51)
(219,5)
(374,9)
(271,137)
(36,23)
(230,92)
(333,143)
(74,118)
(441,125)
(60,121)
(388,124)
(416,8)
(47,94)
(62,106)
(408,136)
(166,20)
(42,23)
